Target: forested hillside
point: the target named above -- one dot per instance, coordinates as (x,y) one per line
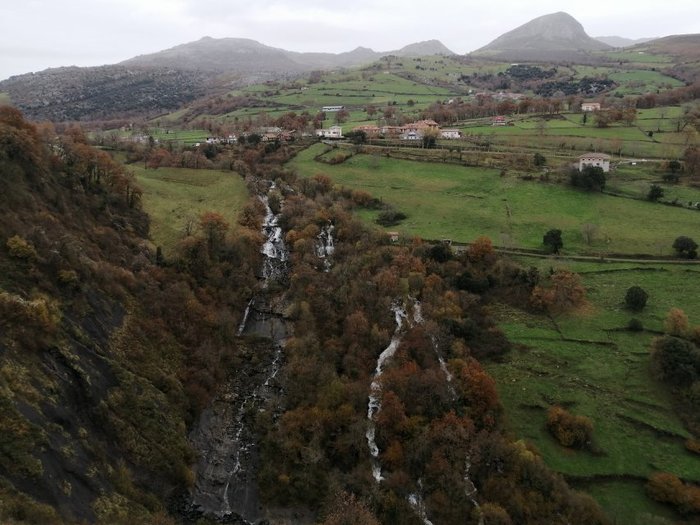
(106,355)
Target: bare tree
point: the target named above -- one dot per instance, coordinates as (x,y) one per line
(588,232)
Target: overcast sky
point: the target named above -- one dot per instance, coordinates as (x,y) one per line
(36,34)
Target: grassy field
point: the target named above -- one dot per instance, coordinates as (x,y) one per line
(174,196)
(586,363)
(448,201)
(5,98)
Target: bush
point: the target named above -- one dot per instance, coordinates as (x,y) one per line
(655,193)
(20,248)
(635,325)
(390,217)
(636,298)
(667,488)
(569,430)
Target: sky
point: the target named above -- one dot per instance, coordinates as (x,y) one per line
(37,34)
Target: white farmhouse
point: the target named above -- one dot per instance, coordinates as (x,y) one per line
(600,160)
(450,133)
(334,132)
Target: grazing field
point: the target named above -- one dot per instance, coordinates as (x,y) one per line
(174,196)
(590,364)
(5,99)
(449,201)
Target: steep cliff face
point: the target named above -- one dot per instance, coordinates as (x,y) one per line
(104,356)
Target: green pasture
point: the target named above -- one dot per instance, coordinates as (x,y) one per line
(637,57)
(590,364)
(5,98)
(174,196)
(449,201)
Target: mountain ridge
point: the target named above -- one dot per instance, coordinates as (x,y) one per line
(244,54)
(545,37)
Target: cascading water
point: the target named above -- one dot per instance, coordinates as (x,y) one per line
(226,473)
(325,245)
(470,489)
(374,407)
(375,403)
(416,501)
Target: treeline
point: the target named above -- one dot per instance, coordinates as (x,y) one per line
(440,426)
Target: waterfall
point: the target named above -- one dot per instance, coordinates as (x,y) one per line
(415,500)
(226,473)
(374,404)
(418,319)
(241,326)
(325,245)
(470,489)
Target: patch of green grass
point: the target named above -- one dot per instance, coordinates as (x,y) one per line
(449,201)
(174,196)
(588,364)
(5,98)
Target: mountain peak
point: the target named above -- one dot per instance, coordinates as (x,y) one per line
(553,34)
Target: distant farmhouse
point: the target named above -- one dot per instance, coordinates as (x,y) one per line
(450,134)
(334,132)
(499,121)
(331,109)
(600,160)
(409,132)
(590,106)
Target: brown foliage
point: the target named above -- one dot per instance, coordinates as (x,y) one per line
(563,293)
(676,322)
(568,429)
(667,488)
(346,509)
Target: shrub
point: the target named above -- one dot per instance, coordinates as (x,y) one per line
(390,217)
(20,248)
(568,429)
(667,488)
(636,298)
(655,193)
(68,278)
(635,325)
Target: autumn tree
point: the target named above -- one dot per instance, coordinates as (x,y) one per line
(676,322)
(564,292)
(346,509)
(214,227)
(480,249)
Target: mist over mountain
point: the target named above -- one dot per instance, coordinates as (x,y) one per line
(557,35)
